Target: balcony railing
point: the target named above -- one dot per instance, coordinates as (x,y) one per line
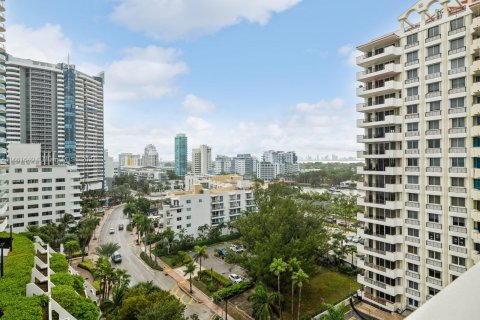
(433,75)
(458,50)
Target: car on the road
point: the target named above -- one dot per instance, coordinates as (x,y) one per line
(116,257)
(331,220)
(235,278)
(111,231)
(236,249)
(120,226)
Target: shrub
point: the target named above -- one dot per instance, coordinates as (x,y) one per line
(151,263)
(210,274)
(129,227)
(80,308)
(58,263)
(87,265)
(231,291)
(17,274)
(74,281)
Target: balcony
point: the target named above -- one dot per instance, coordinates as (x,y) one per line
(475,48)
(433,76)
(457,209)
(433,150)
(387,120)
(457,191)
(388,87)
(391,290)
(457,170)
(475,68)
(457,268)
(475,89)
(412,239)
(436,113)
(412,257)
(394,171)
(434,169)
(386,54)
(433,94)
(457,150)
(458,249)
(386,104)
(457,90)
(434,281)
(433,132)
(433,57)
(476,236)
(433,188)
(434,225)
(390,136)
(431,206)
(389,70)
(412,222)
(380,302)
(412,169)
(433,244)
(456,51)
(457,229)
(380,154)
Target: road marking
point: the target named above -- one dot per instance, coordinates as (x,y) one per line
(190,301)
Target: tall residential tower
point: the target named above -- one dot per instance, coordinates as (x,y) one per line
(3,125)
(181,154)
(421,121)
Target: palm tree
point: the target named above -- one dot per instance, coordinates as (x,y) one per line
(107,249)
(301,278)
(293,266)
(148,286)
(136,222)
(335,312)
(103,271)
(200,254)
(144,224)
(190,269)
(278,266)
(263,302)
(351,250)
(70,247)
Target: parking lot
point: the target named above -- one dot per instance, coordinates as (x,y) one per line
(217,263)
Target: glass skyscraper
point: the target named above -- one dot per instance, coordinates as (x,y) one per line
(181,154)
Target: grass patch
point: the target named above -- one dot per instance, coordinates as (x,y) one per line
(327,286)
(176,260)
(202,286)
(87,265)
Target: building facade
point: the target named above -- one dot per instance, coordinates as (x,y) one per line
(3,121)
(150,156)
(60,108)
(181,154)
(129,160)
(202,160)
(39,194)
(421,121)
(266,171)
(223,165)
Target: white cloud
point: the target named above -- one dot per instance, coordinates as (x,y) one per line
(174,19)
(198,124)
(47,43)
(95,47)
(351,53)
(194,104)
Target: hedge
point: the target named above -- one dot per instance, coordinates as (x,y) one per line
(17,274)
(80,308)
(58,263)
(74,281)
(231,291)
(221,280)
(151,263)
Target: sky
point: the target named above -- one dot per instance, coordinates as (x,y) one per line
(242,76)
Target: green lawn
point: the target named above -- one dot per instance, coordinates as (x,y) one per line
(327,286)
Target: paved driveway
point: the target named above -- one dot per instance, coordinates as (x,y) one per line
(218,264)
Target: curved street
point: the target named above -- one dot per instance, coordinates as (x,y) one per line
(138,270)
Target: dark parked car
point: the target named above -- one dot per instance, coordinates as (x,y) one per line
(116,257)
(120,226)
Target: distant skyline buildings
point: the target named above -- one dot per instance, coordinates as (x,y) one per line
(150,156)
(181,154)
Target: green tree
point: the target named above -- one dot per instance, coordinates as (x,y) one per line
(263,302)
(71,247)
(200,254)
(107,249)
(335,313)
(278,266)
(80,308)
(189,270)
(148,286)
(300,278)
(293,266)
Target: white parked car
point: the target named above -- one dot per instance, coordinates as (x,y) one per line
(236,249)
(235,278)
(112,230)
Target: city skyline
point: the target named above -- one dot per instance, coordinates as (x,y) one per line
(306,85)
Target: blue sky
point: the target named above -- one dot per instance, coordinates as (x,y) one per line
(240,75)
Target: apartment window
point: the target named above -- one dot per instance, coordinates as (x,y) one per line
(46,180)
(413,303)
(412,267)
(433,199)
(18,225)
(433,143)
(46,197)
(413,126)
(459,261)
(476,142)
(46,205)
(432,217)
(179,218)
(412,144)
(458,162)
(433,31)
(413,232)
(32,181)
(457,103)
(17,181)
(412,250)
(189,201)
(60,196)
(31,198)
(413,91)
(433,50)
(60,188)
(434,162)
(433,87)
(18,170)
(412,179)
(18,208)
(32,215)
(179,227)
(33,206)
(412,56)
(433,124)
(412,197)
(46,188)
(434,181)
(412,162)
(458,241)
(457,142)
(412,109)
(189,225)
(412,215)
(46,169)
(412,285)
(32,170)
(456,24)
(189,209)
(60,180)
(458,123)
(458,221)
(18,216)
(458,182)
(16,199)
(32,189)
(47,213)
(189,217)
(412,39)
(432,291)
(434,274)
(458,83)
(412,74)
(457,202)
(434,255)
(18,190)
(435,105)
(457,63)
(433,68)
(457,43)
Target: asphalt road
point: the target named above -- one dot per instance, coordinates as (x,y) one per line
(138,270)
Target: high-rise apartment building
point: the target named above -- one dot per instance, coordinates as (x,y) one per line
(224,165)
(129,160)
(421,121)
(181,154)
(201,160)
(150,156)
(3,126)
(60,108)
